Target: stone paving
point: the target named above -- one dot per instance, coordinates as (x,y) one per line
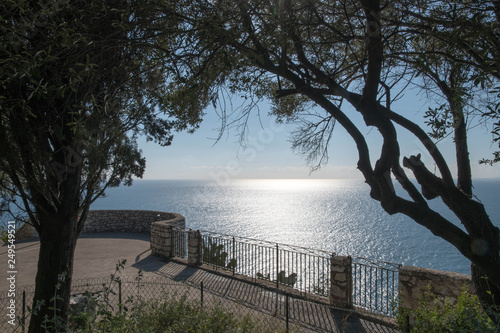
(308,316)
(97,254)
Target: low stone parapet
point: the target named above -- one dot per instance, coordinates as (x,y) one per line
(128,220)
(26,232)
(414,281)
(117,221)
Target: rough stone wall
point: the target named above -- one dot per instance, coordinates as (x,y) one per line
(161,239)
(117,221)
(341,282)
(414,280)
(26,232)
(194,248)
(128,220)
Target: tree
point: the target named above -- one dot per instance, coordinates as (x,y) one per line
(7,200)
(363,53)
(79,82)
(462,35)
(453,48)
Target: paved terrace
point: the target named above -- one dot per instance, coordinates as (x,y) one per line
(97,255)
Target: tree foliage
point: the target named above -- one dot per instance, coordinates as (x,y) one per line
(79,82)
(455,50)
(328,55)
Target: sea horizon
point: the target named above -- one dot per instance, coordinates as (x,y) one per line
(334,215)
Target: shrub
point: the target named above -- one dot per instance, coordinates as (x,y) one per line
(4,232)
(178,315)
(97,312)
(214,254)
(442,314)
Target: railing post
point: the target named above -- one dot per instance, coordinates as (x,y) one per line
(23,319)
(194,248)
(234,256)
(341,282)
(120,304)
(201,293)
(277,266)
(287,314)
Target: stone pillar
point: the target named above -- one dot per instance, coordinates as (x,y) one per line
(161,239)
(194,248)
(341,282)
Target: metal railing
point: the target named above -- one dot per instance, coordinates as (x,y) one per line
(179,243)
(375,284)
(268,309)
(307,270)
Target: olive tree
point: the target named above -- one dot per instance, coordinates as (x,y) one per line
(80,80)
(327,55)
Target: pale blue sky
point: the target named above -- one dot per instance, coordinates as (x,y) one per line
(269,155)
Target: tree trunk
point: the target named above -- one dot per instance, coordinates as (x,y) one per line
(55,270)
(464,173)
(487,292)
(485,247)
(486,244)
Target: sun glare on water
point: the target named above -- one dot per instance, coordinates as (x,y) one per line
(285,185)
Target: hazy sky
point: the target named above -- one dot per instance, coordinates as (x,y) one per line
(268,151)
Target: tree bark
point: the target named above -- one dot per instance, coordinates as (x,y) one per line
(454,97)
(464,174)
(58,226)
(54,275)
(486,291)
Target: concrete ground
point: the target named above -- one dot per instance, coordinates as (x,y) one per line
(98,253)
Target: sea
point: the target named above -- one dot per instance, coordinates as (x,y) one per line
(335,215)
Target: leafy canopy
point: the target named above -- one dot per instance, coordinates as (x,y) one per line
(80,81)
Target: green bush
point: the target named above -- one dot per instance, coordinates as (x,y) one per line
(282,278)
(4,231)
(170,314)
(445,315)
(214,254)
(97,312)
(177,315)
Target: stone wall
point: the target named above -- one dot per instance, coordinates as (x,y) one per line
(26,232)
(195,253)
(129,220)
(162,239)
(166,239)
(414,280)
(117,221)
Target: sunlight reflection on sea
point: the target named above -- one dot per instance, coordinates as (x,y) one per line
(333,215)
